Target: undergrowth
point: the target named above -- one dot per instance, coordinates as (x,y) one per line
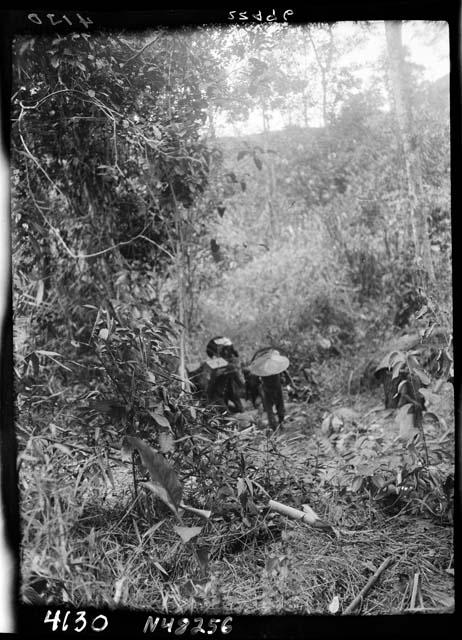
(88,538)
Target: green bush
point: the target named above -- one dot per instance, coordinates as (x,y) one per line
(277,293)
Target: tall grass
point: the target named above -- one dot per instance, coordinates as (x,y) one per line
(274,294)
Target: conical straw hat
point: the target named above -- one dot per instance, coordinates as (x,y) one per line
(269,364)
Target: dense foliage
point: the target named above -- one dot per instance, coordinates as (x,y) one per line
(139,232)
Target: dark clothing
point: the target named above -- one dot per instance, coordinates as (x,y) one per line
(272,396)
(225,386)
(266,390)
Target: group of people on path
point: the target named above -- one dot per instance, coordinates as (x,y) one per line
(223,381)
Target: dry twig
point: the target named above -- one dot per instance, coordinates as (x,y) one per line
(415,589)
(370,583)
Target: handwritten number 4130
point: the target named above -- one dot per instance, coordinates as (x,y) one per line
(76,621)
(51,19)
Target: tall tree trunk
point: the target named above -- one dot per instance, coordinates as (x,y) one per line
(179,255)
(324,68)
(270,181)
(408,142)
(181,294)
(211,116)
(305,76)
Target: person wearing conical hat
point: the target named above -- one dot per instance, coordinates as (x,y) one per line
(268,364)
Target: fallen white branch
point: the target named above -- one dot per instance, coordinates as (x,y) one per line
(307,515)
(199,512)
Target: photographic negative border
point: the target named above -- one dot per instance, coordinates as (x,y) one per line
(30,620)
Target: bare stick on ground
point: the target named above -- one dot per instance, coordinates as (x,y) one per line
(415,588)
(351,607)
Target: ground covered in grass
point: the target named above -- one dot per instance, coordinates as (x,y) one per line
(87,539)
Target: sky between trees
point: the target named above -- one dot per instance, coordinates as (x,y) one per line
(364,47)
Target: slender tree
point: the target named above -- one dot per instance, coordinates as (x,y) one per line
(409,145)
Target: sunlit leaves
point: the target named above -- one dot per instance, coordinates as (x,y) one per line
(187,533)
(164,481)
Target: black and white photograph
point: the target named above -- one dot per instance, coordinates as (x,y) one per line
(232,373)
